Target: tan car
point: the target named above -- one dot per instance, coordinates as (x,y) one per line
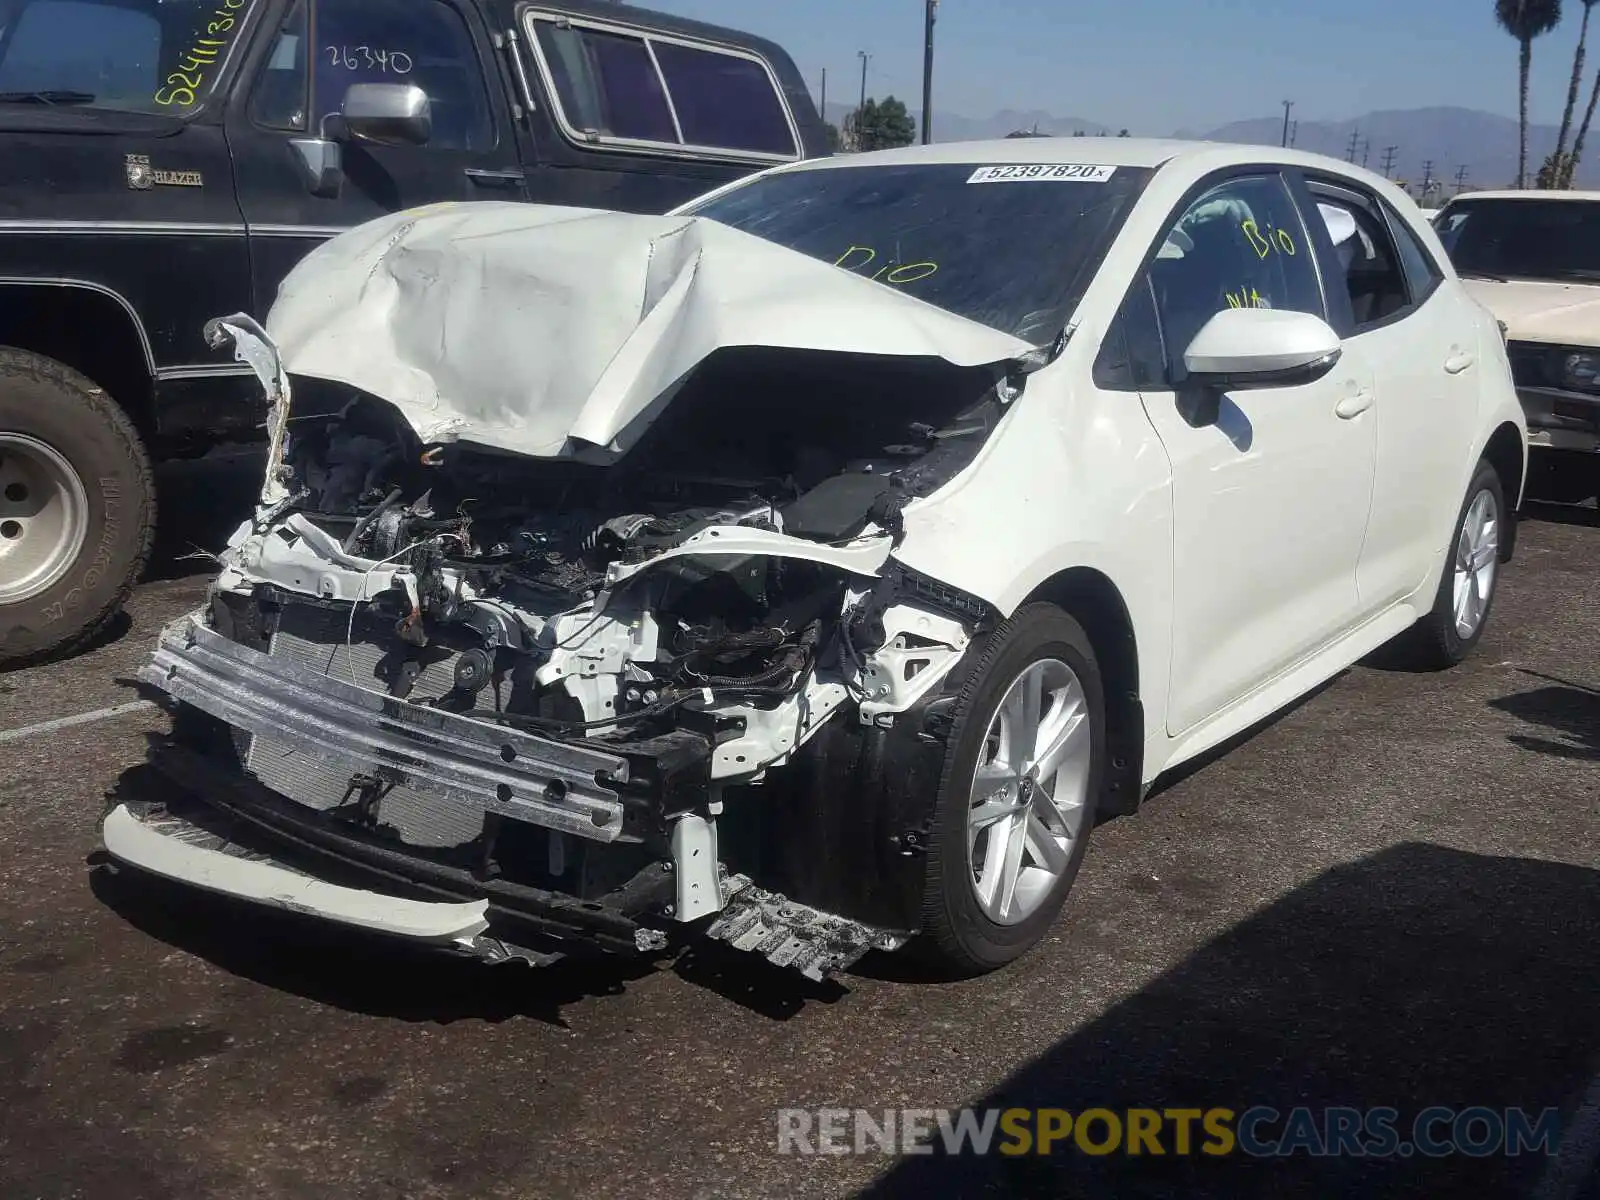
(1533,259)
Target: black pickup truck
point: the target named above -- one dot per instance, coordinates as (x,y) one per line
(168,161)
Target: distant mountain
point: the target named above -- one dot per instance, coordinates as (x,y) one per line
(1485,143)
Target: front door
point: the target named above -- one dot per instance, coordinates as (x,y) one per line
(1269,500)
(301,77)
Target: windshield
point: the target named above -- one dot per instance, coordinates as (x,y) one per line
(152,56)
(1523,239)
(1010,247)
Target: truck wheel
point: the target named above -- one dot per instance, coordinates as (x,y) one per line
(77,507)
(1017,801)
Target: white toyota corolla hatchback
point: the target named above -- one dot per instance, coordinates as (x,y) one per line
(810,568)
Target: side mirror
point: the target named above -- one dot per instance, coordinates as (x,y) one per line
(321,165)
(1260,348)
(386,114)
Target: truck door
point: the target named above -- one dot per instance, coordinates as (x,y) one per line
(278,124)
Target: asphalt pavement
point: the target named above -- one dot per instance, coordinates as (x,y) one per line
(1390,896)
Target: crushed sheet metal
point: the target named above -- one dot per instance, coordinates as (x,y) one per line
(865,556)
(175,849)
(790,934)
(251,345)
(445,756)
(545,330)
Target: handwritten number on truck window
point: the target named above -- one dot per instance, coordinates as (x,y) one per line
(355,58)
(182,88)
(858,258)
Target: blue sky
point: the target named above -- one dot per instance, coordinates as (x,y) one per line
(1159,65)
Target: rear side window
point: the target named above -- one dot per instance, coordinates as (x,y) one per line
(723,100)
(607,83)
(624,86)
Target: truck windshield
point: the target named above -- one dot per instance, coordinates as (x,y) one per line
(1011,247)
(1523,238)
(152,56)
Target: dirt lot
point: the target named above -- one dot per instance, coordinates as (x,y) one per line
(1388,897)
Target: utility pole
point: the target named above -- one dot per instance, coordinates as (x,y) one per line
(1366,150)
(1427,177)
(932,7)
(1287,105)
(1461,178)
(862,110)
(824,107)
(1388,160)
(1294,132)
(1350,150)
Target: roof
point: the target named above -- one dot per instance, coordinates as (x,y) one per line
(1102,151)
(1531,194)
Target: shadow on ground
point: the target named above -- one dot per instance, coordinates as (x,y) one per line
(1422,976)
(1570,710)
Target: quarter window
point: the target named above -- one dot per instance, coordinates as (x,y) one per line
(1240,245)
(616,85)
(1422,272)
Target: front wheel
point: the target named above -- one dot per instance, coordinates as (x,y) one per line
(1460,612)
(77,507)
(1018,795)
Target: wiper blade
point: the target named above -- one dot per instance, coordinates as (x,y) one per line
(47,96)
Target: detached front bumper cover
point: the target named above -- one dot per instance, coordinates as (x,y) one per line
(172,848)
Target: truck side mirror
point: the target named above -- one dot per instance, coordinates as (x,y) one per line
(321,162)
(386,114)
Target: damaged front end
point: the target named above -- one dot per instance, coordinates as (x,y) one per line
(523,705)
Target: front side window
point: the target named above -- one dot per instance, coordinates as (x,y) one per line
(1013,251)
(1523,238)
(613,84)
(151,56)
(421,42)
(1240,245)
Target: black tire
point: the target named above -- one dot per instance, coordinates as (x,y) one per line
(46,401)
(1434,643)
(958,936)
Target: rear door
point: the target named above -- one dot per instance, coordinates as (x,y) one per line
(1387,300)
(301,75)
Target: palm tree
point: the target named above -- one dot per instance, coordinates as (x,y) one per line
(1525,20)
(1560,164)
(1571,163)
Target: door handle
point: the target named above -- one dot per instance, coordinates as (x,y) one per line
(1354,404)
(1458,361)
(486,178)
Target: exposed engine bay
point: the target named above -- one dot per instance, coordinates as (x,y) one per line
(722,568)
(615,657)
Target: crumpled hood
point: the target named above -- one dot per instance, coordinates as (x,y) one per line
(1541,310)
(539,329)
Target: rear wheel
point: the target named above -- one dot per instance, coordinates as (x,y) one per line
(1466,591)
(77,507)
(1018,795)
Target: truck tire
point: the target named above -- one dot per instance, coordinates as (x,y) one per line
(77,507)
